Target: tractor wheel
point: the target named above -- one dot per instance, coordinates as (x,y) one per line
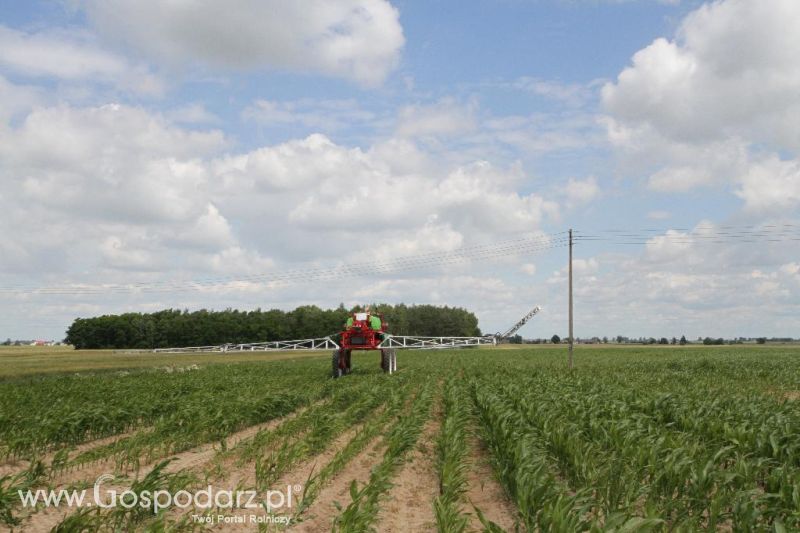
(389,360)
(337,371)
(347,360)
(385,360)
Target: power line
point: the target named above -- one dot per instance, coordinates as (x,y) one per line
(527,245)
(478,252)
(707,234)
(698,227)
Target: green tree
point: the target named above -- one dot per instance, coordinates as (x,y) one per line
(555,339)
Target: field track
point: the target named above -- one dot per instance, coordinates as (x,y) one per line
(633,440)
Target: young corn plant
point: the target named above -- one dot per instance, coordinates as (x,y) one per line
(253,448)
(451,451)
(326,425)
(362,512)
(128,518)
(11,486)
(366,434)
(525,469)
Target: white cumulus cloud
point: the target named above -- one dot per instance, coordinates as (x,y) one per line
(771,184)
(581,192)
(72,56)
(719,77)
(446,117)
(716,104)
(356,39)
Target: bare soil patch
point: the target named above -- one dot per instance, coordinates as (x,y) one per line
(409,506)
(322,512)
(485,492)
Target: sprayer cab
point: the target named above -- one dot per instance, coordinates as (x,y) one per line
(363,331)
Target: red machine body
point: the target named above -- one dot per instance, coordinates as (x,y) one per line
(361,335)
(363,332)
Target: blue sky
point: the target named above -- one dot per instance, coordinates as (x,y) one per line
(144,145)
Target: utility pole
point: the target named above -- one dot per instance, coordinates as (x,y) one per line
(571,340)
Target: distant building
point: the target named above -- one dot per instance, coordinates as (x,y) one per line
(42,343)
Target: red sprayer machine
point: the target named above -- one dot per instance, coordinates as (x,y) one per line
(364,330)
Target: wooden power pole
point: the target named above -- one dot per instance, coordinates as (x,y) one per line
(571,340)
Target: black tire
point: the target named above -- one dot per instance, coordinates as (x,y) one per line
(337,371)
(347,361)
(385,360)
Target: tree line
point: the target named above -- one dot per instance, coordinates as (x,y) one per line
(174,327)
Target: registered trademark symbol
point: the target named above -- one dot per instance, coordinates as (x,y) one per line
(298,488)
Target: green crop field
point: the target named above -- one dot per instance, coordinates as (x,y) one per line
(31,360)
(633,439)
